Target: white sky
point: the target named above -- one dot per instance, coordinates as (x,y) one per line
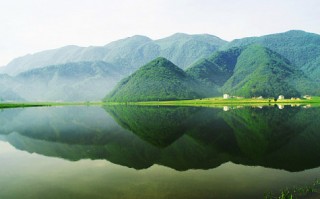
(29,26)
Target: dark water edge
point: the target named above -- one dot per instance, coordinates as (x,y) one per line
(156,152)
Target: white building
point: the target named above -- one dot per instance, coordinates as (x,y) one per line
(226,96)
(307,97)
(281,97)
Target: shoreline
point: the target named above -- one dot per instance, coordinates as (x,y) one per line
(207,102)
(219,102)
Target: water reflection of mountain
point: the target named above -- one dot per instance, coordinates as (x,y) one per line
(276,138)
(178,137)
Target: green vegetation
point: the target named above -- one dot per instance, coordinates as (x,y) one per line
(219,102)
(285,63)
(35,104)
(299,47)
(216,69)
(183,49)
(249,71)
(312,190)
(17,105)
(262,72)
(313,70)
(158,80)
(253,71)
(207,102)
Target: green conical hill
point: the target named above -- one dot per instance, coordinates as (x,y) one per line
(160,79)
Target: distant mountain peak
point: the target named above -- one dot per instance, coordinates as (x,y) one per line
(180,34)
(296,31)
(160,61)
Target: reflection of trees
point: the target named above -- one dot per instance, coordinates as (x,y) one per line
(158,126)
(178,137)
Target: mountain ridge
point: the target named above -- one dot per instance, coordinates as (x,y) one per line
(300,47)
(205,58)
(128,53)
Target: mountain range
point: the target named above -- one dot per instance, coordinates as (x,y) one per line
(128,54)
(284,63)
(251,71)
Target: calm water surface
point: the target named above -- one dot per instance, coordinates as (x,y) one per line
(156,152)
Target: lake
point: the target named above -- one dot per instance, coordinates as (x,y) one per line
(157,152)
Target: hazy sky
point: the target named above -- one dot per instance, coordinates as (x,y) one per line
(29,26)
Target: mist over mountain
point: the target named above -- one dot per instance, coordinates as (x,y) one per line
(80,81)
(7,85)
(128,54)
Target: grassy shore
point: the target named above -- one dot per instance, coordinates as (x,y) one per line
(207,102)
(303,192)
(40,104)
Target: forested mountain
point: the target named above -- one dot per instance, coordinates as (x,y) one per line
(301,48)
(260,71)
(160,79)
(217,68)
(253,71)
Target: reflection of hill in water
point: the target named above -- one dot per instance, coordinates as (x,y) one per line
(158,126)
(178,137)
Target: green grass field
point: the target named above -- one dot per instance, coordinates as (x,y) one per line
(217,102)
(207,102)
(39,104)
